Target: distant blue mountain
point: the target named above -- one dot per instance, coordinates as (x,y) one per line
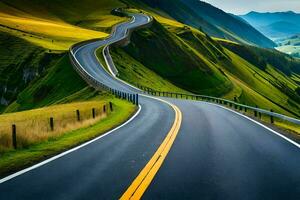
(275,25)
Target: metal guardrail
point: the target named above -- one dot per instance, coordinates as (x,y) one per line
(237,106)
(133,98)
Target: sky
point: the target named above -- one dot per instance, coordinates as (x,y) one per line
(245,6)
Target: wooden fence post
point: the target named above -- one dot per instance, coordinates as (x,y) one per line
(111,106)
(14,136)
(78,115)
(93,113)
(51,124)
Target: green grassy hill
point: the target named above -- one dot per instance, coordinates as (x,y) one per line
(174,60)
(290,45)
(20,62)
(197,63)
(33,38)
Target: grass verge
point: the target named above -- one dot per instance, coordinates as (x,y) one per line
(15,160)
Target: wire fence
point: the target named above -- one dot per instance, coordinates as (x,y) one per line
(22,130)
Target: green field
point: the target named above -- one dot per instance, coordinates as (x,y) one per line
(290,45)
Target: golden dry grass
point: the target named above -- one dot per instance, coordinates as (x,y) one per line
(55,35)
(33,126)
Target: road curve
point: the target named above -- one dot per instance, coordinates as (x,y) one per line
(105,168)
(217,154)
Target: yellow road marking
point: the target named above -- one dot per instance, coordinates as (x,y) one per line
(143,180)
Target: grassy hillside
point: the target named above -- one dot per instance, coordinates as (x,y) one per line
(167,55)
(33,36)
(20,63)
(197,63)
(211,20)
(58,24)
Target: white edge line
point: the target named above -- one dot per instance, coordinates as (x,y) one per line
(69,151)
(260,124)
(105,59)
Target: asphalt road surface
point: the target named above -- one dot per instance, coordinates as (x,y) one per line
(217,153)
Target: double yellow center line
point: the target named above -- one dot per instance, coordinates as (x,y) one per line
(143,180)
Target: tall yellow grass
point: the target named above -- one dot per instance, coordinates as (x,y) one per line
(55,35)
(34,126)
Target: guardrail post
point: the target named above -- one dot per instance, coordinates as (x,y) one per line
(235,106)
(51,124)
(259,115)
(14,136)
(111,106)
(245,109)
(255,112)
(137,99)
(133,99)
(241,108)
(272,118)
(78,115)
(93,113)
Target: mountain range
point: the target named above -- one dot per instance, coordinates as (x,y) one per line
(275,25)
(213,21)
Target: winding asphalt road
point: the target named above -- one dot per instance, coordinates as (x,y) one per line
(217,154)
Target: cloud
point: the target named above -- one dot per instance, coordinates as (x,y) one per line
(244,6)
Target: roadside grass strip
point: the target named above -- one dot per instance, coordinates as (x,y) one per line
(14,160)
